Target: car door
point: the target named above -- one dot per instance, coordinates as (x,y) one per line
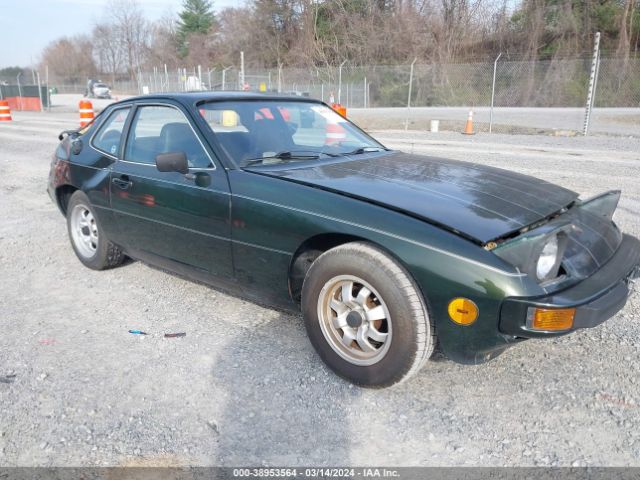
(106,145)
(170,217)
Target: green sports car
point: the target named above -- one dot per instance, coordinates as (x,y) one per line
(388,255)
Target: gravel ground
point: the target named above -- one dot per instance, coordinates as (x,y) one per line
(244,387)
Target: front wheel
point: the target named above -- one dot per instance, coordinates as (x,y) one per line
(365,316)
(88,240)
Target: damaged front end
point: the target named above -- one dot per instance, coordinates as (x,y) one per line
(582,264)
(567,248)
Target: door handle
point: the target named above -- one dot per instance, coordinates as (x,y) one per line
(122,183)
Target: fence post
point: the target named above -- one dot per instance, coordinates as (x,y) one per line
(279,77)
(340,82)
(166,78)
(19,92)
(241,70)
(406,121)
(592,80)
(40,91)
(224,77)
(364,93)
(369,94)
(46,73)
(493,90)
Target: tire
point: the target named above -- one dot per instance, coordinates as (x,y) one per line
(89,242)
(386,350)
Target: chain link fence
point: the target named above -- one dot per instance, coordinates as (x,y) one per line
(528,96)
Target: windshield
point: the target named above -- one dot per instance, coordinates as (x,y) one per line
(281,131)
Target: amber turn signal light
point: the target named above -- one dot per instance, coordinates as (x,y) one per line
(463,311)
(550,319)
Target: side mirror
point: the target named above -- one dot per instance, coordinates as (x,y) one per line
(172,162)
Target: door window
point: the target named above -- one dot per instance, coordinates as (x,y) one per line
(108,137)
(160,129)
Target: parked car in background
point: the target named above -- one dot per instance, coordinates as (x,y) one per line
(388,255)
(97,89)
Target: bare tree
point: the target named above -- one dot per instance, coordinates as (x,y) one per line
(163,44)
(132,31)
(108,49)
(626,32)
(314,33)
(70,59)
(235,34)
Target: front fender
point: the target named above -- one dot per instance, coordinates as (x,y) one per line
(279,216)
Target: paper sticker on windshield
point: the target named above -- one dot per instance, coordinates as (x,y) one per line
(113,149)
(328,115)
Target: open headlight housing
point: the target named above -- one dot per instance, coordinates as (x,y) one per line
(537,253)
(548,260)
(569,247)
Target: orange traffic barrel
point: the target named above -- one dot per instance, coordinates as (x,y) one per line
(341,109)
(5,111)
(468,128)
(86,112)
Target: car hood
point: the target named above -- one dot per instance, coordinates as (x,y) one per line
(482,203)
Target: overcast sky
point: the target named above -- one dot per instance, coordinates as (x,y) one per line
(28,25)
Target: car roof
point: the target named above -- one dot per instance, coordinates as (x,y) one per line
(190,98)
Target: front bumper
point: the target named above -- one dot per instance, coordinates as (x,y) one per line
(596,298)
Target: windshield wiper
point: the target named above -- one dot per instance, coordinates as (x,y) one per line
(364,149)
(289,155)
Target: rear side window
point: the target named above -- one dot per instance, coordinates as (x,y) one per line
(160,129)
(110,134)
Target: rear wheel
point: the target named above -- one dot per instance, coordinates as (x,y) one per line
(365,316)
(89,243)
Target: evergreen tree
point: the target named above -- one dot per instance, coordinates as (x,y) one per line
(196,17)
